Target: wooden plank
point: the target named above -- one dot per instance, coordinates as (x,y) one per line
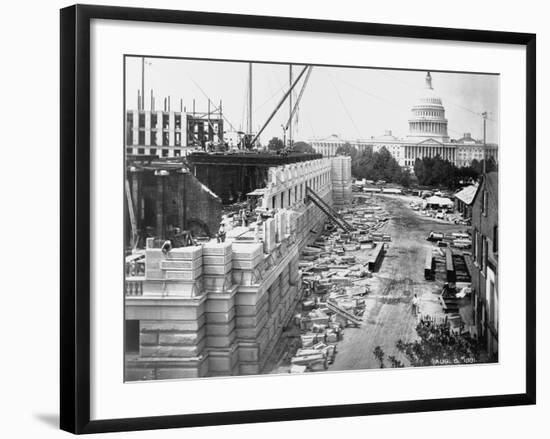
(451,274)
(429,265)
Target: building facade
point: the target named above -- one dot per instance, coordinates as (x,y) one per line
(219,308)
(485,262)
(427,137)
(171,133)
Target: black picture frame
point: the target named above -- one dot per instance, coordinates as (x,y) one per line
(75,217)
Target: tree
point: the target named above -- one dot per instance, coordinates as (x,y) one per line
(303,147)
(347,149)
(434,171)
(436,345)
(405,179)
(275,144)
(379,165)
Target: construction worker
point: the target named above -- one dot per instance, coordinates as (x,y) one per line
(415,304)
(221,233)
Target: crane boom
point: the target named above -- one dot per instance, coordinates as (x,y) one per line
(295,108)
(279,105)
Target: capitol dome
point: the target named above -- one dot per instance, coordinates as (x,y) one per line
(428,116)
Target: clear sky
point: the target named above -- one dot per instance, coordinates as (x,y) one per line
(350,102)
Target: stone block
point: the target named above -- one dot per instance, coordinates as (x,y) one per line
(181,338)
(217,269)
(246,277)
(175,373)
(249,353)
(249,368)
(220,317)
(153,288)
(171,351)
(186,253)
(250,264)
(220,341)
(220,329)
(249,298)
(247,251)
(253,321)
(139,374)
(172,325)
(249,333)
(148,338)
(222,304)
(269,235)
(153,258)
(164,308)
(217,283)
(217,249)
(188,288)
(223,361)
(217,260)
(183,265)
(251,310)
(184,275)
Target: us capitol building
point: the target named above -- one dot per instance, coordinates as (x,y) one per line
(427,137)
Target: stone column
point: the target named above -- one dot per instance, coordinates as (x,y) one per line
(136,176)
(148,128)
(135,126)
(181,198)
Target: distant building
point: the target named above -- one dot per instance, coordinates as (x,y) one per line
(171,133)
(427,137)
(469,149)
(329,145)
(485,261)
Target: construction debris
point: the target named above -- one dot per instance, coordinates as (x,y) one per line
(335,270)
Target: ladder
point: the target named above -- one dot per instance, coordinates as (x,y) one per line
(328,210)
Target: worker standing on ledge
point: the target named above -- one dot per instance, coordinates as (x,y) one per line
(221,233)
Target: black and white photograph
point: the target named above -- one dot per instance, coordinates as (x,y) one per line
(275,219)
(295,218)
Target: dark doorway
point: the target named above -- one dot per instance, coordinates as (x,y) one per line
(131,336)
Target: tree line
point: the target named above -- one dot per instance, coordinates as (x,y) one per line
(428,171)
(434,171)
(276,144)
(375,165)
(381,165)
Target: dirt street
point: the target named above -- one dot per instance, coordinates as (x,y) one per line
(389,316)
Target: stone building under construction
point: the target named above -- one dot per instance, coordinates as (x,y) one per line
(219,308)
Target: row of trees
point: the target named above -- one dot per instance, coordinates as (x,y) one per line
(434,171)
(276,144)
(375,165)
(380,165)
